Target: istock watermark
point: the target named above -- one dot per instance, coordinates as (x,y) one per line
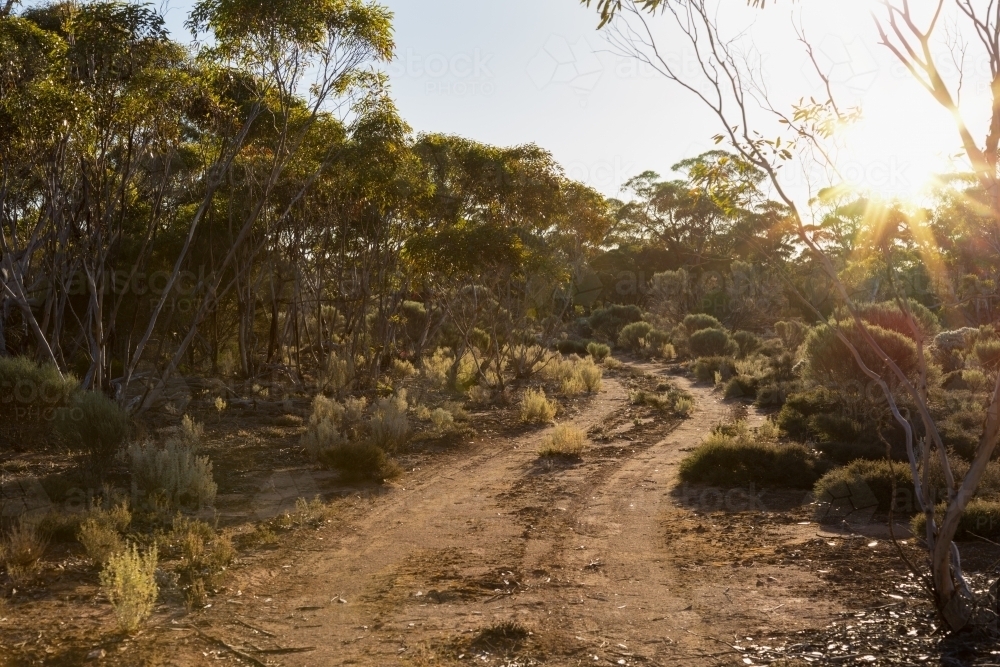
(461,74)
(715,499)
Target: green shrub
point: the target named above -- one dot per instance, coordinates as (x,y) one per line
(358,461)
(888,315)
(864,482)
(173,473)
(705,368)
(712,343)
(129,582)
(742,386)
(792,333)
(749,458)
(655,340)
(32,394)
(578,347)
(981,519)
(698,321)
(565,441)
(609,321)
(598,351)
(829,362)
(388,424)
(536,408)
(95,425)
(631,335)
(100,540)
(748,343)
(988,353)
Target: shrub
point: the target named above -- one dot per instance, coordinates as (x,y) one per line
(479,394)
(129,582)
(172,472)
(37,391)
(323,431)
(696,322)
(564,441)
(442,420)
(888,315)
(792,334)
(747,342)
(579,347)
(712,343)
(976,380)
(654,341)
(100,540)
(609,321)
(706,368)
(573,385)
(668,352)
(337,374)
(389,425)
(981,519)
(95,425)
(598,351)
(742,386)
(864,481)
(536,408)
(743,458)
(360,461)
(402,369)
(988,353)
(22,549)
(437,368)
(631,335)
(590,374)
(683,406)
(830,362)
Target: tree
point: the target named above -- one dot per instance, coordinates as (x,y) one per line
(725,84)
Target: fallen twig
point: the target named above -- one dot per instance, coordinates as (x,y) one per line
(232,649)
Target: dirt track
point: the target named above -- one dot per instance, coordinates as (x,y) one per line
(576,554)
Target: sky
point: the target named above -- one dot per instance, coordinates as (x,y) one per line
(538,71)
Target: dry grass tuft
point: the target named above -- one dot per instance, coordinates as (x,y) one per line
(536,408)
(566,442)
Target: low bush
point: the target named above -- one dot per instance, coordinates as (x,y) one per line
(633,335)
(536,408)
(590,374)
(95,425)
(712,343)
(100,540)
(684,407)
(988,353)
(866,484)
(746,457)
(598,351)
(981,519)
(608,322)
(578,347)
(389,426)
(33,393)
(792,334)
(22,549)
(565,441)
(129,582)
(888,315)
(705,368)
(699,322)
(204,555)
(173,472)
(672,400)
(748,343)
(654,342)
(742,386)
(359,461)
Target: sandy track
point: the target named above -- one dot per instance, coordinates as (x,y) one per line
(575,553)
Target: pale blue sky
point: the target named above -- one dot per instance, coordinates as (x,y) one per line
(538,71)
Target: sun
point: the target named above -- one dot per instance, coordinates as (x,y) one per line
(897,156)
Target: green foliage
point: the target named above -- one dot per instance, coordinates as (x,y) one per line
(565,441)
(572,346)
(988,353)
(747,457)
(536,408)
(712,343)
(360,461)
(129,582)
(608,322)
(699,321)
(866,479)
(981,519)
(888,315)
(172,472)
(598,351)
(95,425)
(705,368)
(792,333)
(33,393)
(631,335)
(748,343)
(829,361)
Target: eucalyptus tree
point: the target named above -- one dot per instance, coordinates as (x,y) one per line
(728,88)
